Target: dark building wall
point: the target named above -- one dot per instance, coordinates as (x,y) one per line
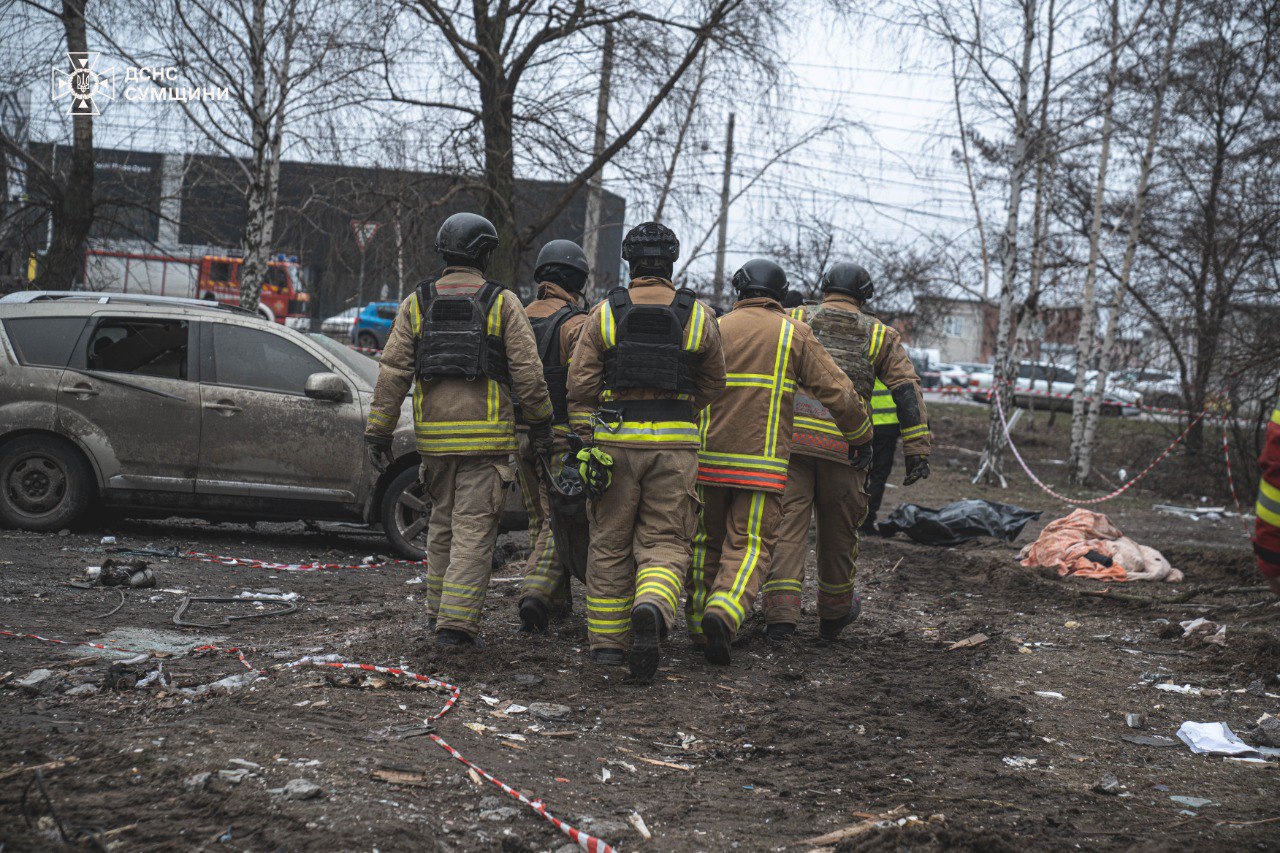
(317,203)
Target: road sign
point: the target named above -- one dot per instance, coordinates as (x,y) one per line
(364,231)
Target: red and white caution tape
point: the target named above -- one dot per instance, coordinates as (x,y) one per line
(1053,395)
(1231,482)
(587,842)
(251,563)
(365,350)
(1073,501)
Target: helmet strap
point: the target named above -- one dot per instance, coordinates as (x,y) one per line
(657,267)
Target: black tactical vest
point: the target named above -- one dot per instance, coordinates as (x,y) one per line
(846,335)
(649,351)
(547,332)
(454,341)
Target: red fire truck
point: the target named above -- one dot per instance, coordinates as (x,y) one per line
(216,277)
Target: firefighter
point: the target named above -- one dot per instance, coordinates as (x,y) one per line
(884,447)
(648,359)
(464,345)
(1266,539)
(557,316)
(747,438)
(868,352)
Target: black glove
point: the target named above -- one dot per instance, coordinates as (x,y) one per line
(860,456)
(379,453)
(542,437)
(917,469)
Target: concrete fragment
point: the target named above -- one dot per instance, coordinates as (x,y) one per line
(550,710)
(1108,784)
(235,777)
(82,690)
(198,781)
(302,789)
(35,678)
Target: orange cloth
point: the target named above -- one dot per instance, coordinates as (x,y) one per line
(1063,544)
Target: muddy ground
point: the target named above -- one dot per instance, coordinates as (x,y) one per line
(787,744)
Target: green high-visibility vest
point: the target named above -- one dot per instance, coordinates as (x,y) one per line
(883,410)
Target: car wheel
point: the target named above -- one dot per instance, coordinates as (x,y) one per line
(368,340)
(1110,410)
(44,484)
(406,510)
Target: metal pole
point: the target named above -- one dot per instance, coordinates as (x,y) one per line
(595,186)
(718,283)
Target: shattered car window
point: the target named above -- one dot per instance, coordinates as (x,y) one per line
(142,347)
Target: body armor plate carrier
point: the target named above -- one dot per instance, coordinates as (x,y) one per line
(454,341)
(847,336)
(547,332)
(650,353)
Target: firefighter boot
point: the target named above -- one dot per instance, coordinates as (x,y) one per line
(779,632)
(533,616)
(453,638)
(829,629)
(646,641)
(609,657)
(718,637)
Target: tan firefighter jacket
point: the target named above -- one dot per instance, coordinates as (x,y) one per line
(460,417)
(816,434)
(747,432)
(551,298)
(587,391)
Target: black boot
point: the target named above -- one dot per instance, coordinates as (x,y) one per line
(534,616)
(646,641)
(829,629)
(779,632)
(718,636)
(609,657)
(453,638)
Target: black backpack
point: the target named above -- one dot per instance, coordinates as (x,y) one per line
(454,340)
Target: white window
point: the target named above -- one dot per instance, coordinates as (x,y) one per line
(953,327)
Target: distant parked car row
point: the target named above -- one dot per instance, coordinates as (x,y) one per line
(366,327)
(1045,385)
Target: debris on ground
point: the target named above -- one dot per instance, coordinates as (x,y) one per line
(1135,721)
(638,822)
(1213,739)
(135,574)
(968,642)
(1050,694)
(1192,802)
(1149,740)
(549,710)
(1267,731)
(302,789)
(958,522)
(1086,544)
(1108,785)
(1204,631)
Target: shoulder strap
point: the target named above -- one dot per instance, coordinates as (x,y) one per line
(488,293)
(619,299)
(549,344)
(683,304)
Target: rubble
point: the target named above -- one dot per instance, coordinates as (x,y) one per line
(302,789)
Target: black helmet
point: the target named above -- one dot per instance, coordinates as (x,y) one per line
(650,241)
(761,278)
(565,253)
(467,237)
(850,279)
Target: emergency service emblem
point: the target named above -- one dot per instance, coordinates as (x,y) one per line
(84,84)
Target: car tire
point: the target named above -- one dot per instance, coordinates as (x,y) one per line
(405,511)
(44,484)
(368,340)
(1110,410)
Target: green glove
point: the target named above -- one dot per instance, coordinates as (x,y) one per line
(593,468)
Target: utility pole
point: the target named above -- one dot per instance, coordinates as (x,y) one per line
(718,283)
(595,187)
(399,258)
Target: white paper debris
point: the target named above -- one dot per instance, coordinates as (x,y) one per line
(1213,739)
(1050,694)
(1019,761)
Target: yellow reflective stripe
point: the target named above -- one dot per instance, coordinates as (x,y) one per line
(452,609)
(817,425)
(464,445)
(731,601)
(781,362)
(650,431)
(464,588)
(835,588)
(609,626)
(755,380)
(579,418)
(784,584)
(495,315)
(1275,416)
(744,460)
(454,427)
(491,399)
(860,431)
(797,313)
(878,332)
(1268,505)
(661,571)
(380,419)
(696,603)
(659,581)
(697,326)
(912,432)
(609,605)
(608,328)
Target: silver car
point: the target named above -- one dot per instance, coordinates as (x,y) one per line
(159,406)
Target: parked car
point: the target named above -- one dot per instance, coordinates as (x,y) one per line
(339,325)
(1055,385)
(373,324)
(160,406)
(1158,387)
(970,367)
(951,375)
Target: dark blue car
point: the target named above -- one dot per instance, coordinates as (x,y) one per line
(373,324)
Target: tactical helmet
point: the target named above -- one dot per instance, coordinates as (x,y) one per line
(467,236)
(849,279)
(650,241)
(569,258)
(761,277)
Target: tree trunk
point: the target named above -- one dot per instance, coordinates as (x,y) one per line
(71,204)
(991,466)
(1077,471)
(1131,244)
(595,187)
(263,170)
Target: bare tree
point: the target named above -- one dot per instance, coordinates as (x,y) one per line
(497,49)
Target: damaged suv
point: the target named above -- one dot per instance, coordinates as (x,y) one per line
(160,406)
